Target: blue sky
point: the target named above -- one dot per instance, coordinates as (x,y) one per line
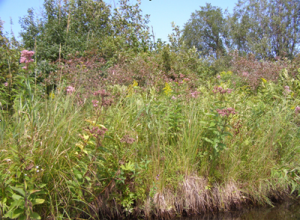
(162,12)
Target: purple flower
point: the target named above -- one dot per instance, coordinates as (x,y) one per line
(6,84)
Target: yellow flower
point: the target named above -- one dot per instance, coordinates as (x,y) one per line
(264,80)
(131,87)
(51,95)
(167,89)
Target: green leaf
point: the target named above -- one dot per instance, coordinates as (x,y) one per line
(19,190)
(208,140)
(35,215)
(17,213)
(16,197)
(33,191)
(42,185)
(38,201)
(13,213)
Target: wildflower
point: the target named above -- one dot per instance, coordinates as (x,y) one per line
(287,89)
(167,89)
(37,167)
(174,98)
(195,94)
(6,84)
(297,110)
(229,90)
(226,112)
(245,74)
(37,171)
(26,56)
(51,95)
(70,89)
(102,92)
(186,79)
(218,77)
(181,75)
(157,177)
(221,90)
(95,103)
(127,139)
(264,80)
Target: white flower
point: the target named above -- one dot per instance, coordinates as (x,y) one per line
(37,171)
(37,167)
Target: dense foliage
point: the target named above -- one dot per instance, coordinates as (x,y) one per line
(266,28)
(98,121)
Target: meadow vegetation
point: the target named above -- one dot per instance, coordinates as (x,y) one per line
(144,133)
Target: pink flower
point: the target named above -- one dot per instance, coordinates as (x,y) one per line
(70,89)
(174,98)
(245,74)
(6,84)
(229,90)
(186,79)
(297,110)
(26,56)
(181,75)
(95,103)
(195,94)
(226,112)
(218,77)
(287,89)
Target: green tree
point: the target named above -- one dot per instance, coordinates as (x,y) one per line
(206,30)
(267,28)
(64,27)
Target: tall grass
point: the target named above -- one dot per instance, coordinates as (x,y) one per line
(153,150)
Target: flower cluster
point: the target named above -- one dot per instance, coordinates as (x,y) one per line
(245,74)
(226,112)
(287,90)
(96,132)
(127,139)
(104,100)
(26,57)
(70,89)
(102,93)
(297,110)
(195,94)
(95,103)
(221,90)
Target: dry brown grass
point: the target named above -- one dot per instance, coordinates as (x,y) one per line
(196,196)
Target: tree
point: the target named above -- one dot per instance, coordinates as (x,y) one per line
(206,31)
(65,27)
(80,25)
(267,28)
